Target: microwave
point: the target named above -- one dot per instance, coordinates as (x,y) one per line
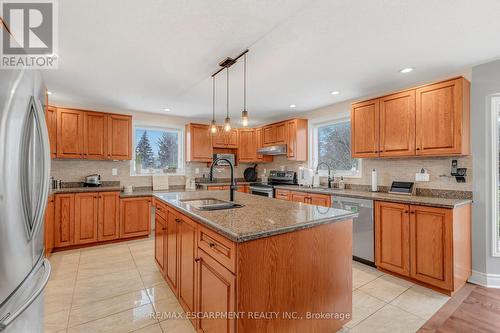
(230,157)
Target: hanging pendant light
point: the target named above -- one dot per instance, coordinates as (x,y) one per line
(244,113)
(213,124)
(227,121)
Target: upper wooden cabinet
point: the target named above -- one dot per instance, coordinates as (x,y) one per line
(70,137)
(198,143)
(248,145)
(296,139)
(119,137)
(275,134)
(432,120)
(223,139)
(51,119)
(90,135)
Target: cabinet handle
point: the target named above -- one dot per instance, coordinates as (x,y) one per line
(418,148)
(211,244)
(178,220)
(197,259)
(412,212)
(163,229)
(406,212)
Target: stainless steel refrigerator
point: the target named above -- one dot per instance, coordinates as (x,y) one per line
(24,188)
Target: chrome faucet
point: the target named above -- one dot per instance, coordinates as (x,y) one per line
(330,179)
(232,187)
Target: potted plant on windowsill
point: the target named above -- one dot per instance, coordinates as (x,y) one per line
(138,163)
(170,169)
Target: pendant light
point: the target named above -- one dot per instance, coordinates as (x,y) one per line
(227,121)
(213,125)
(244,113)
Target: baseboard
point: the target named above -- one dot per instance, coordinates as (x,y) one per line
(485,280)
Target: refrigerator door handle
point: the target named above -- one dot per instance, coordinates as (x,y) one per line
(10,316)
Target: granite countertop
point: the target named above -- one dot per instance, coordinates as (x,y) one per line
(204,185)
(412,199)
(137,192)
(259,217)
(86,189)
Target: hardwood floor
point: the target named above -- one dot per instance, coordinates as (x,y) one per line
(472,309)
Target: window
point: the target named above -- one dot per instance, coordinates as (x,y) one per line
(496,174)
(332,144)
(157,151)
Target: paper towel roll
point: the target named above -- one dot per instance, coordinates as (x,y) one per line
(374,181)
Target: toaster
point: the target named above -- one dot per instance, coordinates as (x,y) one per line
(92,180)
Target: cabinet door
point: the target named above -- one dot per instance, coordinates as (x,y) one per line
(51,119)
(392,237)
(291,138)
(247,151)
(299,197)
(232,139)
(69,133)
(397,124)
(219,139)
(439,111)
(187,264)
(85,218)
(282,194)
(281,133)
(95,135)
(216,294)
(64,223)
(119,137)
(320,200)
(135,217)
(172,249)
(365,129)
(109,216)
(198,143)
(431,246)
(259,137)
(49,226)
(160,230)
(268,135)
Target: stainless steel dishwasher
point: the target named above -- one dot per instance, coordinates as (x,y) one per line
(363,236)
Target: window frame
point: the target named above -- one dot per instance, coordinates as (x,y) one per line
(495,148)
(180,154)
(314,149)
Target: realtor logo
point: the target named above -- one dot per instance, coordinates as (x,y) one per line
(29,34)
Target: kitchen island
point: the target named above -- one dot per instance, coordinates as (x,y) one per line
(269,266)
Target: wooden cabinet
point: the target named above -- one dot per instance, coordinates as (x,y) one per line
(268,135)
(223,139)
(297,148)
(282,194)
(216,294)
(259,144)
(70,133)
(64,223)
(397,124)
(232,139)
(428,244)
(119,137)
(160,251)
(299,197)
(86,218)
(108,216)
(443,118)
(172,226)
(51,120)
(275,134)
(95,135)
(392,237)
(135,217)
(247,151)
(49,226)
(304,197)
(431,120)
(198,143)
(281,133)
(187,229)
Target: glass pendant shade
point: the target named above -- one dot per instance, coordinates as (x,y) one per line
(227,124)
(244,118)
(213,127)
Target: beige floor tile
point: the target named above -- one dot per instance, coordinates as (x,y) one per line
(389,319)
(125,321)
(386,287)
(363,306)
(99,309)
(151,278)
(106,255)
(177,326)
(142,246)
(166,307)
(151,329)
(420,301)
(55,321)
(90,270)
(58,295)
(147,264)
(362,276)
(160,292)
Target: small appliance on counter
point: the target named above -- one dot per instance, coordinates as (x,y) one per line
(92,181)
(404,188)
(305,176)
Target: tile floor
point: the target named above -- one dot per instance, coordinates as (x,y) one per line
(115,288)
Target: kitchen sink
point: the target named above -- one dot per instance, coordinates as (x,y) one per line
(211,204)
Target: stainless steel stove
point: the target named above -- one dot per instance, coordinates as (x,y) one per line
(275,178)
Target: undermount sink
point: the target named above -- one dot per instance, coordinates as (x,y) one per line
(211,204)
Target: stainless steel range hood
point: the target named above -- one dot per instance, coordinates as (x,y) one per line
(273,150)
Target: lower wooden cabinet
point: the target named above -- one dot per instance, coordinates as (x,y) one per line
(160,230)
(86,218)
(282,194)
(187,265)
(428,244)
(172,250)
(135,217)
(49,226)
(304,197)
(64,223)
(108,216)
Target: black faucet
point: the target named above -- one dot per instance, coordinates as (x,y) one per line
(232,187)
(330,179)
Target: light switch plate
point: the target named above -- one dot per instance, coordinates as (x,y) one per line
(114,171)
(196,171)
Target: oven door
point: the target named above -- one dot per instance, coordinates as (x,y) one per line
(264,192)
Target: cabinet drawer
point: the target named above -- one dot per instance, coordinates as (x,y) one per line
(218,247)
(282,195)
(161,209)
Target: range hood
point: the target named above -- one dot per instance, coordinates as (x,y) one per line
(273,150)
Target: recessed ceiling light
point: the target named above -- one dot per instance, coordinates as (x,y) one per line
(49,92)
(406,70)
(293,106)
(335,92)
(166,109)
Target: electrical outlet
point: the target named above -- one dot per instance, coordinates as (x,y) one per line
(114,172)
(196,171)
(422,177)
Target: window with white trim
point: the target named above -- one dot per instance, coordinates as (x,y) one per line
(332,144)
(157,151)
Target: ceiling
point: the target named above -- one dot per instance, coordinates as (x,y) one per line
(149,55)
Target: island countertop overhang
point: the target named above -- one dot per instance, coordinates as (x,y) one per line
(259,217)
